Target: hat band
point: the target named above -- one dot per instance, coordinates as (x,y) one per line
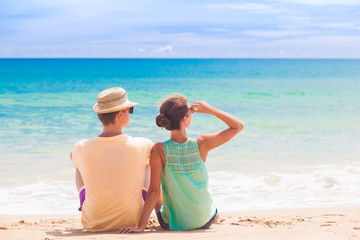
(112,102)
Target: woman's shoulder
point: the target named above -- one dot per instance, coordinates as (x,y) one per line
(201,140)
(158,150)
(159,146)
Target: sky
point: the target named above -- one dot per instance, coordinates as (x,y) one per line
(179,29)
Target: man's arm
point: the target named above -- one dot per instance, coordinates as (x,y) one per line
(78,179)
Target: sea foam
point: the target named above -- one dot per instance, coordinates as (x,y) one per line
(316,186)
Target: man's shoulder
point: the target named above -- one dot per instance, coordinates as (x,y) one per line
(84,142)
(81,143)
(78,149)
(140,140)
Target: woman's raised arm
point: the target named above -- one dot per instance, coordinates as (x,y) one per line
(213,140)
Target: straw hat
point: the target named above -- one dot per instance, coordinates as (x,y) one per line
(112,100)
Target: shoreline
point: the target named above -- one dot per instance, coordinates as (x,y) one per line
(307,223)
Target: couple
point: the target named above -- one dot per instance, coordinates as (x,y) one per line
(111,168)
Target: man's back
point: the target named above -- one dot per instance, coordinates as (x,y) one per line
(113,171)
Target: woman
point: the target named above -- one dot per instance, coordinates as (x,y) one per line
(179,166)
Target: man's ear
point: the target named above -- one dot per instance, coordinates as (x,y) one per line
(120,114)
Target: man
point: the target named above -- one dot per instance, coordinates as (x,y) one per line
(110,168)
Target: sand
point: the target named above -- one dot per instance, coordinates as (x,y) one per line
(306,224)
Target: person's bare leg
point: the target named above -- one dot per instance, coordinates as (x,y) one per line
(79,181)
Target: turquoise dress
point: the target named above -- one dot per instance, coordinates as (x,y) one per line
(187,201)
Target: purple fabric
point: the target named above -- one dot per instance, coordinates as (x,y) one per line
(144,193)
(82,198)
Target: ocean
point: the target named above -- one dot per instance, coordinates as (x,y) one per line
(299,148)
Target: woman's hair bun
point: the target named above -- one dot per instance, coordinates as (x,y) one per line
(163,121)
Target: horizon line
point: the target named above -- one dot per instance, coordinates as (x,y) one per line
(181,58)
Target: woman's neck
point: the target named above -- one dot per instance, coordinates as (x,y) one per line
(179,136)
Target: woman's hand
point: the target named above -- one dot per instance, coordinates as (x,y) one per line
(130,230)
(201,107)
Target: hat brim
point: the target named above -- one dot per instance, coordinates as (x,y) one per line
(117,108)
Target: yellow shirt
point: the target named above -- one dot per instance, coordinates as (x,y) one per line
(113,171)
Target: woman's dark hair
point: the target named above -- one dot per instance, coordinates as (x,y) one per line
(172,111)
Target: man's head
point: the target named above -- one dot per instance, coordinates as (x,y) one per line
(113,103)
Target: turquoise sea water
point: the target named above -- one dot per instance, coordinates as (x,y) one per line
(299,148)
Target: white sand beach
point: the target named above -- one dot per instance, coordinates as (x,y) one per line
(318,224)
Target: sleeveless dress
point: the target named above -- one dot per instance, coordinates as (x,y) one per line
(187,202)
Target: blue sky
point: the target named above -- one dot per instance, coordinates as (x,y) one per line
(180,29)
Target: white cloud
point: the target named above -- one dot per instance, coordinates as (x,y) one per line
(321,2)
(277,33)
(217,30)
(167,48)
(343,25)
(81,8)
(140,50)
(253,7)
(122,28)
(196,45)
